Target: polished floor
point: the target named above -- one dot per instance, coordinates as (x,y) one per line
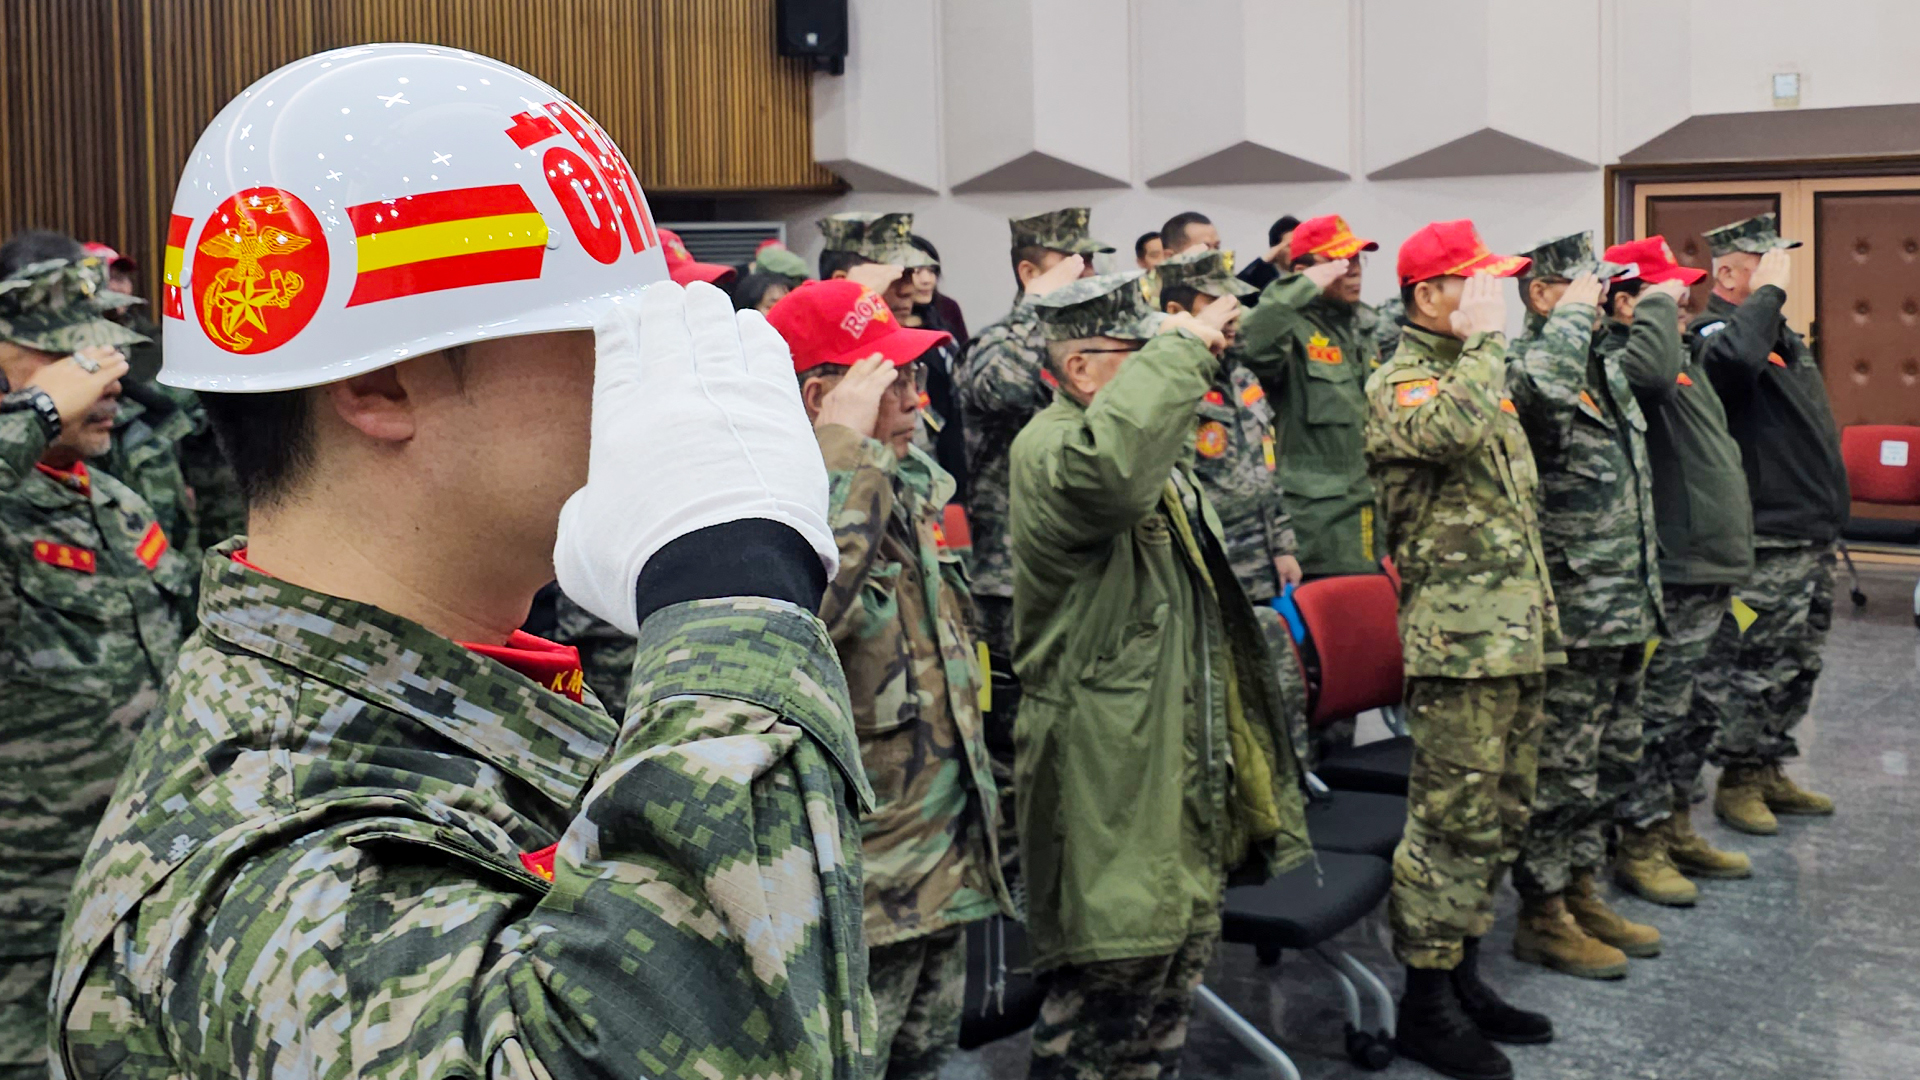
(1809,971)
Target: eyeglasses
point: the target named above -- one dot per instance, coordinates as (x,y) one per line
(1130,348)
(910,382)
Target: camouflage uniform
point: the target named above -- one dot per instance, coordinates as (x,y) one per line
(1097,1013)
(606,653)
(1456,487)
(1756,686)
(91,614)
(1002,384)
(1597,527)
(1385,326)
(146,456)
(898,615)
(351,844)
(1234,460)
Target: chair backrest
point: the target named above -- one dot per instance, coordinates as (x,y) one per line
(1353,626)
(1883,463)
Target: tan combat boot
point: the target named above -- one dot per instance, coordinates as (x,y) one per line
(1786,797)
(1740,800)
(1590,910)
(1693,855)
(1645,869)
(1548,936)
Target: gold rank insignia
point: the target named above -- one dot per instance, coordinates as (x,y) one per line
(1321,350)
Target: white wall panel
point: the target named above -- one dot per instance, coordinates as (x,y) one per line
(877,125)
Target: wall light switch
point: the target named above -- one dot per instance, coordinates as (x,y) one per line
(1786,90)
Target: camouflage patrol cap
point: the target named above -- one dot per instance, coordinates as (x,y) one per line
(1107,305)
(1210,272)
(774,259)
(1058,230)
(61,305)
(845,231)
(1756,235)
(889,239)
(1567,257)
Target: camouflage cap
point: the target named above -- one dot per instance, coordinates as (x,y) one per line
(1210,272)
(1107,305)
(61,305)
(1568,257)
(1058,230)
(889,239)
(773,259)
(1756,235)
(845,231)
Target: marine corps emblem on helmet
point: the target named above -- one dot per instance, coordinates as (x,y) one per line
(260,270)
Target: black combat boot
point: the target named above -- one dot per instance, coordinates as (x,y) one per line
(1496,1019)
(1434,1031)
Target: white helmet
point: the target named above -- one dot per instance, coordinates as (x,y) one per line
(378,202)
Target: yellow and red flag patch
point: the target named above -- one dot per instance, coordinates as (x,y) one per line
(64,556)
(1413,394)
(1506,406)
(152,545)
(179,229)
(445,240)
(1253,394)
(1322,351)
(1684,379)
(1776,359)
(540,862)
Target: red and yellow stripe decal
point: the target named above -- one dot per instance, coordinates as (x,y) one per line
(445,240)
(174,269)
(152,545)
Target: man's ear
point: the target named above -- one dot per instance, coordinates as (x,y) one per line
(812,392)
(1425,298)
(1174,307)
(838,274)
(376,403)
(1026,271)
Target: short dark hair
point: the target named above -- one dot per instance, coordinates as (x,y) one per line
(1626,287)
(29,246)
(1184,295)
(1278,229)
(1033,253)
(750,288)
(1406,295)
(1140,245)
(1175,230)
(835,259)
(926,245)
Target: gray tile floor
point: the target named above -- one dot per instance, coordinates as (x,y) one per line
(1809,971)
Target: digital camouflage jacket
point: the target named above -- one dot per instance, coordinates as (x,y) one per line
(326,858)
(1589,441)
(1001,388)
(1315,356)
(1233,457)
(1457,491)
(898,613)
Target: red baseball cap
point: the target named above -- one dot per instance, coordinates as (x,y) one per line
(112,258)
(1328,236)
(1453,249)
(682,267)
(1654,257)
(838,321)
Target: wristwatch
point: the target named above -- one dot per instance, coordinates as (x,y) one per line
(40,403)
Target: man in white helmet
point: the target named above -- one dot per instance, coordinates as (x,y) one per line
(377,830)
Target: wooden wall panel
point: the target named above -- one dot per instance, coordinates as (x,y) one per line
(101,100)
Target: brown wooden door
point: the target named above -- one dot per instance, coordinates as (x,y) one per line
(1683,218)
(1867,304)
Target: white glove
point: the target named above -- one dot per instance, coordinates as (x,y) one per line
(697,421)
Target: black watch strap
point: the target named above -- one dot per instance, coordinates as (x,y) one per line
(40,403)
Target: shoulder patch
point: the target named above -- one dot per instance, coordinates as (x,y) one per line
(1413,394)
(64,556)
(1211,439)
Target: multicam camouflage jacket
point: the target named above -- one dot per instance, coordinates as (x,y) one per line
(1233,458)
(318,860)
(90,619)
(1315,356)
(146,456)
(1001,388)
(898,612)
(1457,487)
(1589,441)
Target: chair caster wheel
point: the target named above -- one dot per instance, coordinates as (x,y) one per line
(1367,1050)
(1859,598)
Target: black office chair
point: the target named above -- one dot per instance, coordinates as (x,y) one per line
(1002,996)
(1301,911)
(1354,822)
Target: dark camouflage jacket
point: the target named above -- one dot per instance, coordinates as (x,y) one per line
(146,456)
(92,598)
(1589,441)
(1233,458)
(1457,490)
(315,861)
(1315,356)
(1001,388)
(606,652)
(898,612)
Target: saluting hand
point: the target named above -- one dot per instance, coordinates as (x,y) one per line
(1483,308)
(1672,289)
(876,276)
(1197,325)
(1585,289)
(1775,269)
(1063,272)
(1326,273)
(72,387)
(855,401)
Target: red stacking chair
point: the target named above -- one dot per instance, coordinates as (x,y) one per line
(1883,468)
(1353,662)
